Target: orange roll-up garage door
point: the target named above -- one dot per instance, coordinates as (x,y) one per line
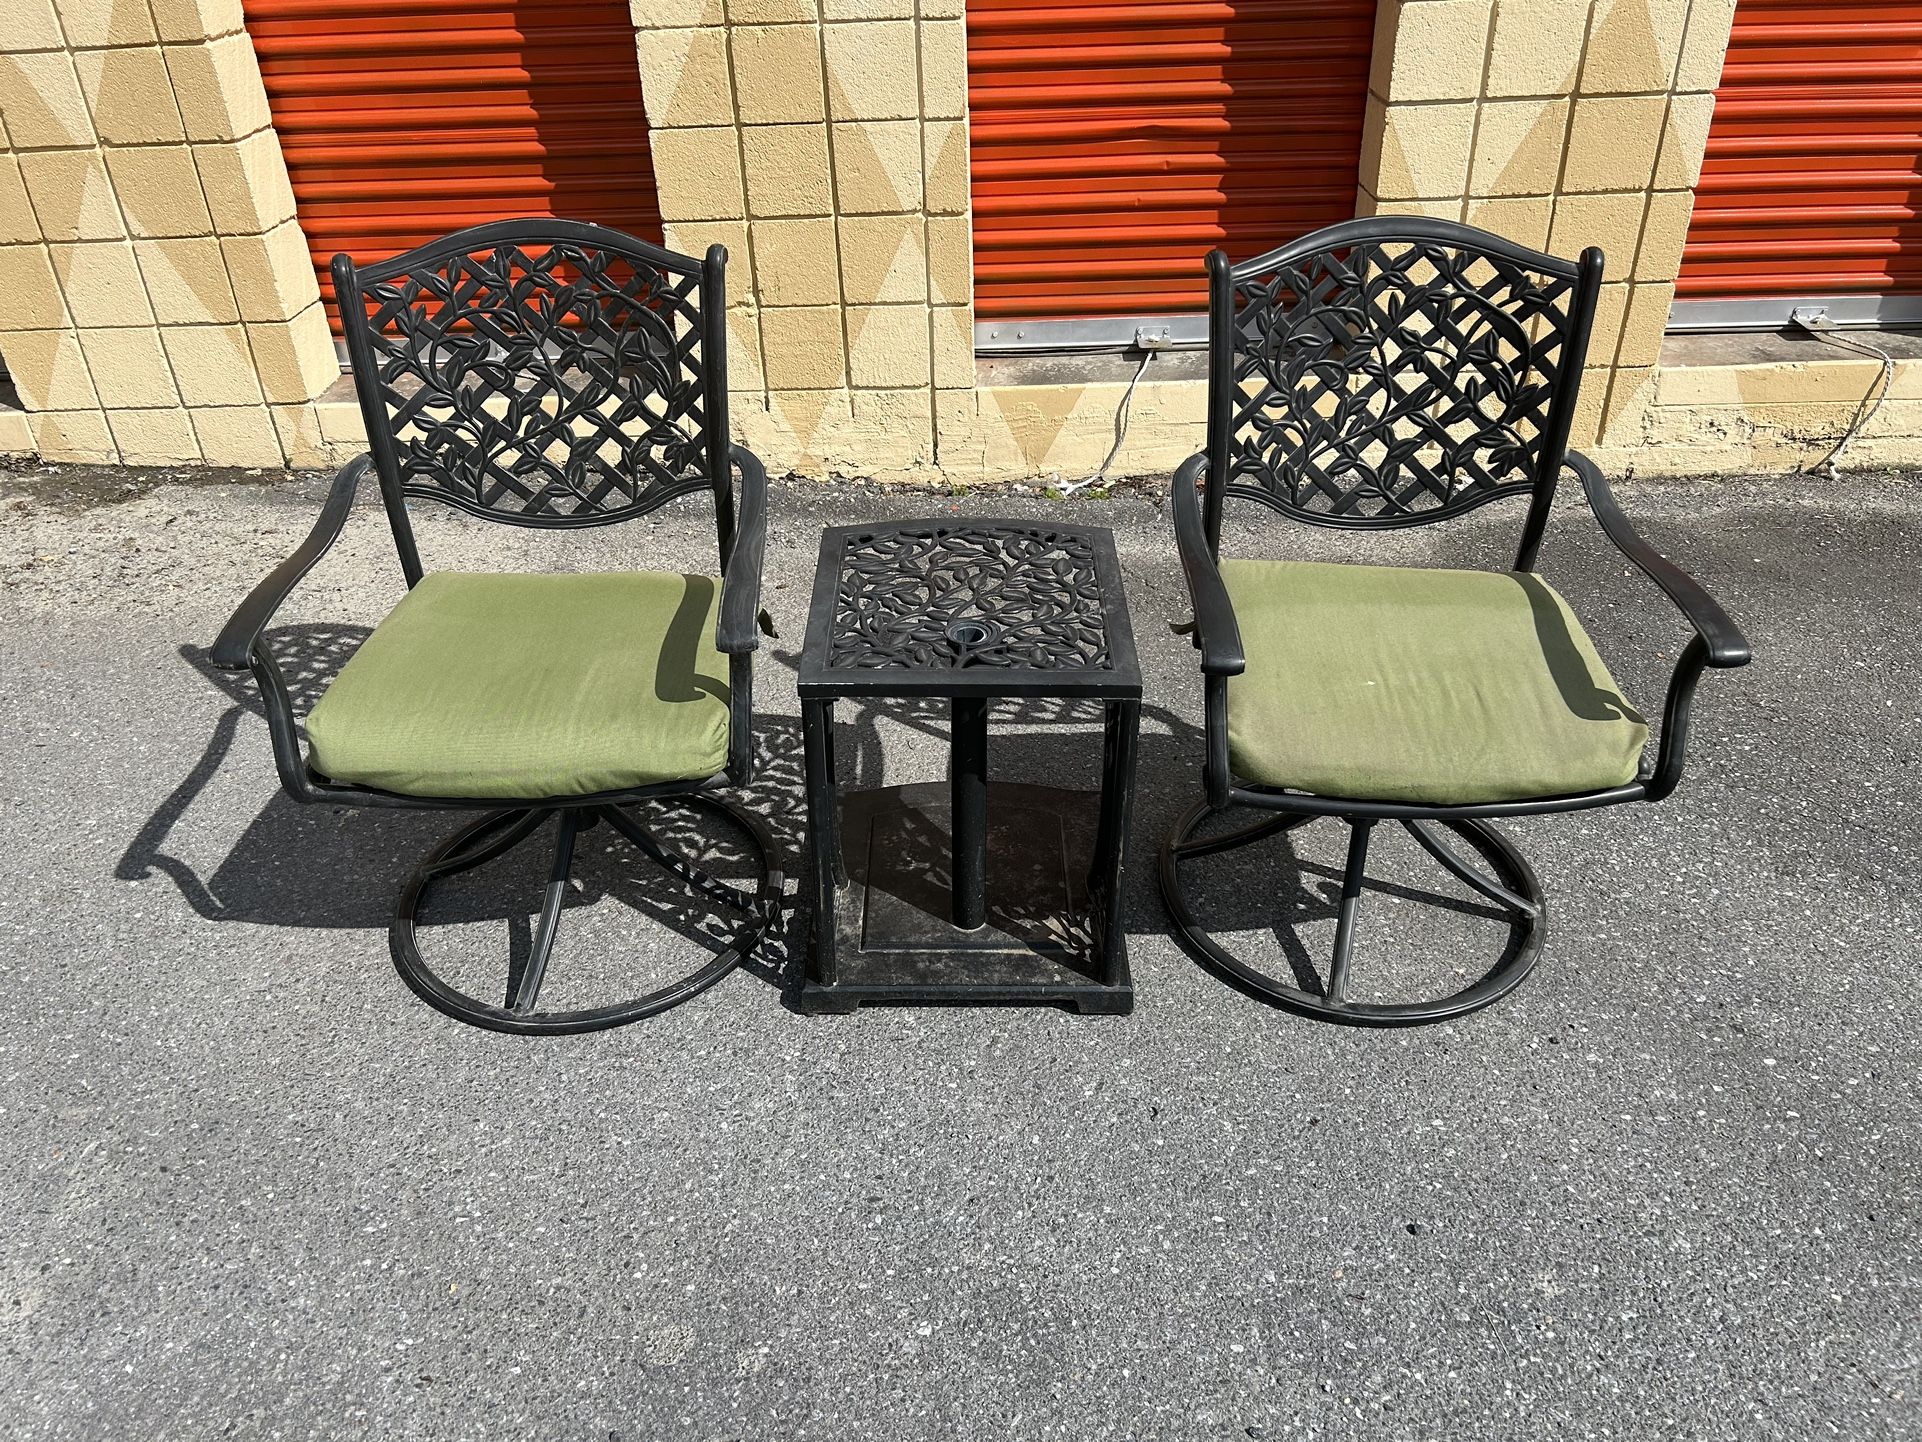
(1811,190)
(1115,144)
(404,119)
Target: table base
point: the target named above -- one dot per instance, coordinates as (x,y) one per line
(893,938)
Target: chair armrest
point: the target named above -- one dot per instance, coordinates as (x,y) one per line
(1718,642)
(1724,643)
(1217,634)
(738,629)
(234,648)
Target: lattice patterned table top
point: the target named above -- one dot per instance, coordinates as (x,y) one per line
(933,607)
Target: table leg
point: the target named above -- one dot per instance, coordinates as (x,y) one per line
(968,765)
(824,833)
(1123,726)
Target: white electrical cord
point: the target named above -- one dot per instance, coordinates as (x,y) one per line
(1830,466)
(1121,430)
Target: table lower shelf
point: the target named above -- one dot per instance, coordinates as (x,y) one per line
(892,939)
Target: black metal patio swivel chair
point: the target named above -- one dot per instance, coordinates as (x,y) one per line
(1395,372)
(550,374)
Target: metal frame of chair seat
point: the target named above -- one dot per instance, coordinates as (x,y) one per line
(622,345)
(1377,374)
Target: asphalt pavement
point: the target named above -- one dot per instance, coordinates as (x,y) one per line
(253,1188)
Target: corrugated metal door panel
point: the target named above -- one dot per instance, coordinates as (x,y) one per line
(1115,144)
(404,119)
(1811,186)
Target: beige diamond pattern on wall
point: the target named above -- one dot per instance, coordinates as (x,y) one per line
(146,225)
(158,303)
(835,174)
(1583,125)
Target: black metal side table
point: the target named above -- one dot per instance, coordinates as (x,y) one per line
(969,891)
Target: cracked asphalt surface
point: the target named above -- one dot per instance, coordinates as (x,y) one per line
(253,1188)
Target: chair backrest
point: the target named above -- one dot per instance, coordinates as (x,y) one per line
(541,372)
(1393,371)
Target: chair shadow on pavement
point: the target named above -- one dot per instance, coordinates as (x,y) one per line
(274,874)
(340,866)
(330,866)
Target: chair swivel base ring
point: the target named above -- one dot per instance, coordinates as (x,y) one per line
(498,833)
(1518,893)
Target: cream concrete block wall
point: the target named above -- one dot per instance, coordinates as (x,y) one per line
(1773,404)
(156,302)
(1561,125)
(824,142)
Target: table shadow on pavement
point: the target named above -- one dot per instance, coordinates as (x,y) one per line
(1278,898)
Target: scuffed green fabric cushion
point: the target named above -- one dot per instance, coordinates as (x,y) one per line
(529,686)
(1388,683)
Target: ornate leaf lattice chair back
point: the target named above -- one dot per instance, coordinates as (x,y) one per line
(1379,374)
(558,375)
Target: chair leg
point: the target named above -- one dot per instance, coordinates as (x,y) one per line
(523,988)
(677,865)
(1241,836)
(1423,832)
(493,836)
(471,846)
(1517,893)
(1351,879)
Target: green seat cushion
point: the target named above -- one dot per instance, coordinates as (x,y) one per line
(520,687)
(1388,683)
